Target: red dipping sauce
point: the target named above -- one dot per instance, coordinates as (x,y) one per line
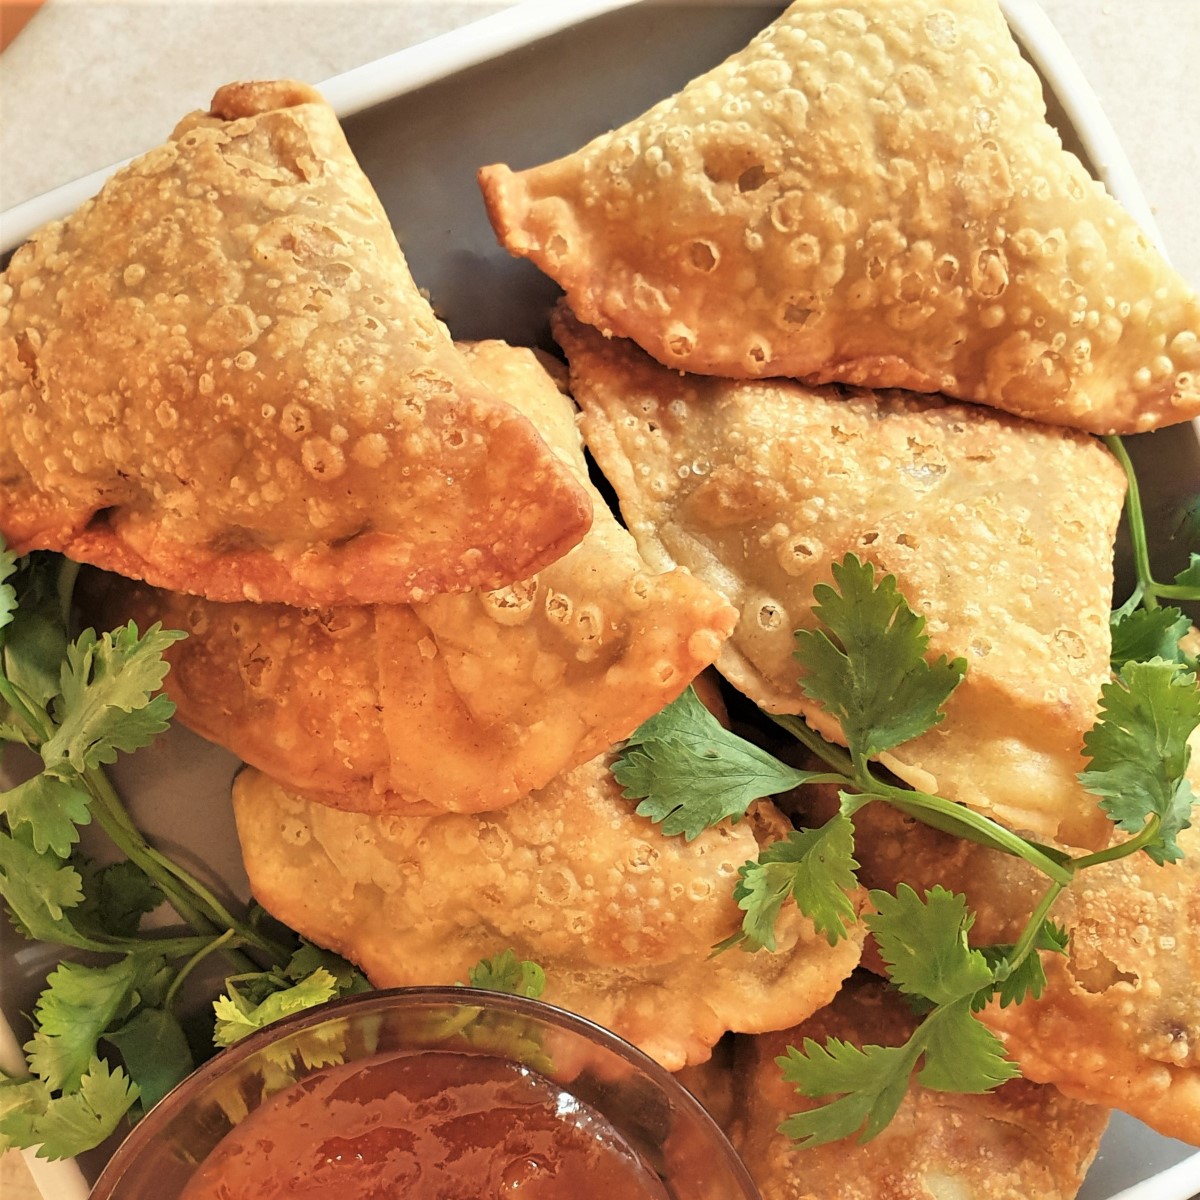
(425,1125)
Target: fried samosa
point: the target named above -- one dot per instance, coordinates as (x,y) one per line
(621,918)
(511,686)
(1022,1140)
(219,376)
(869,193)
(1119,1021)
(998,531)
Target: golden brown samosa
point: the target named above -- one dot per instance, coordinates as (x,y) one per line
(998,531)
(868,193)
(1020,1141)
(621,918)
(464,702)
(1119,1021)
(219,376)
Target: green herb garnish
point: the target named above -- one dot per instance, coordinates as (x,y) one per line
(74,705)
(866,664)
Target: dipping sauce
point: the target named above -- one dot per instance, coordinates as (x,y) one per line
(426,1125)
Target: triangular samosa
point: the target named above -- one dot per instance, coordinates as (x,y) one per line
(622,919)
(999,533)
(219,376)
(1020,1140)
(1118,1022)
(869,193)
(463,702)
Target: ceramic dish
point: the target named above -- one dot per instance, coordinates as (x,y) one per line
(522,87)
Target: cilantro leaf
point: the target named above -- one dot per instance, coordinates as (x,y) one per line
(924,943)
(105,704)
(1139,752)
(116,898)
(504,973)
(67,1125)
(8,593)
(309,958)
(38,887)
(77,1006)
(867,667)
(155,1051)
(52,808)
(960,1053)
(21,1099)
(1147,633)
(1189,577)
(36,643)
(815,867)
(685,717)
(955,1051)
(237,1016)
(1029,978)
(871,1083)
(690,772)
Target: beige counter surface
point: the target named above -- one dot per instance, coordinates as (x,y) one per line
(88,82)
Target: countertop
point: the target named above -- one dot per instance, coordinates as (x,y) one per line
(89,82)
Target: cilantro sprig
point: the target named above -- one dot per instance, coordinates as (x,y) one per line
(813,867)
(1143,628)
(690,772)
(74,705)
(924,942)
(866,664)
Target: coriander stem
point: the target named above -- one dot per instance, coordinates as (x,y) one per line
(1174,591)
(216,944)
(170,875)
(1028,939)
(804,733)
(1137,523)
(16,700)
(964,822)
(1148,833)
(168,947)
(961,820)
(125,836)
(68,572)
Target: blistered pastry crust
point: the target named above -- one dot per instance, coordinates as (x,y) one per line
(219,376)
(868,194)
(621,919)
(465,702)
(998,531)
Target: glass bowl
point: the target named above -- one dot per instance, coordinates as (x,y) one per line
(677,1142)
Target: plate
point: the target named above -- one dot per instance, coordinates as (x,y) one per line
(524,86)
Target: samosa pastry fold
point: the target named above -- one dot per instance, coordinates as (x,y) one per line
(621,919)
(219,376)
(1119,1021)
(464,702)
(868,193)
(1019,1141)
(998,531)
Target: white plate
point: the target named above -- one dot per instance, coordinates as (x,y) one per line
(521,87)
